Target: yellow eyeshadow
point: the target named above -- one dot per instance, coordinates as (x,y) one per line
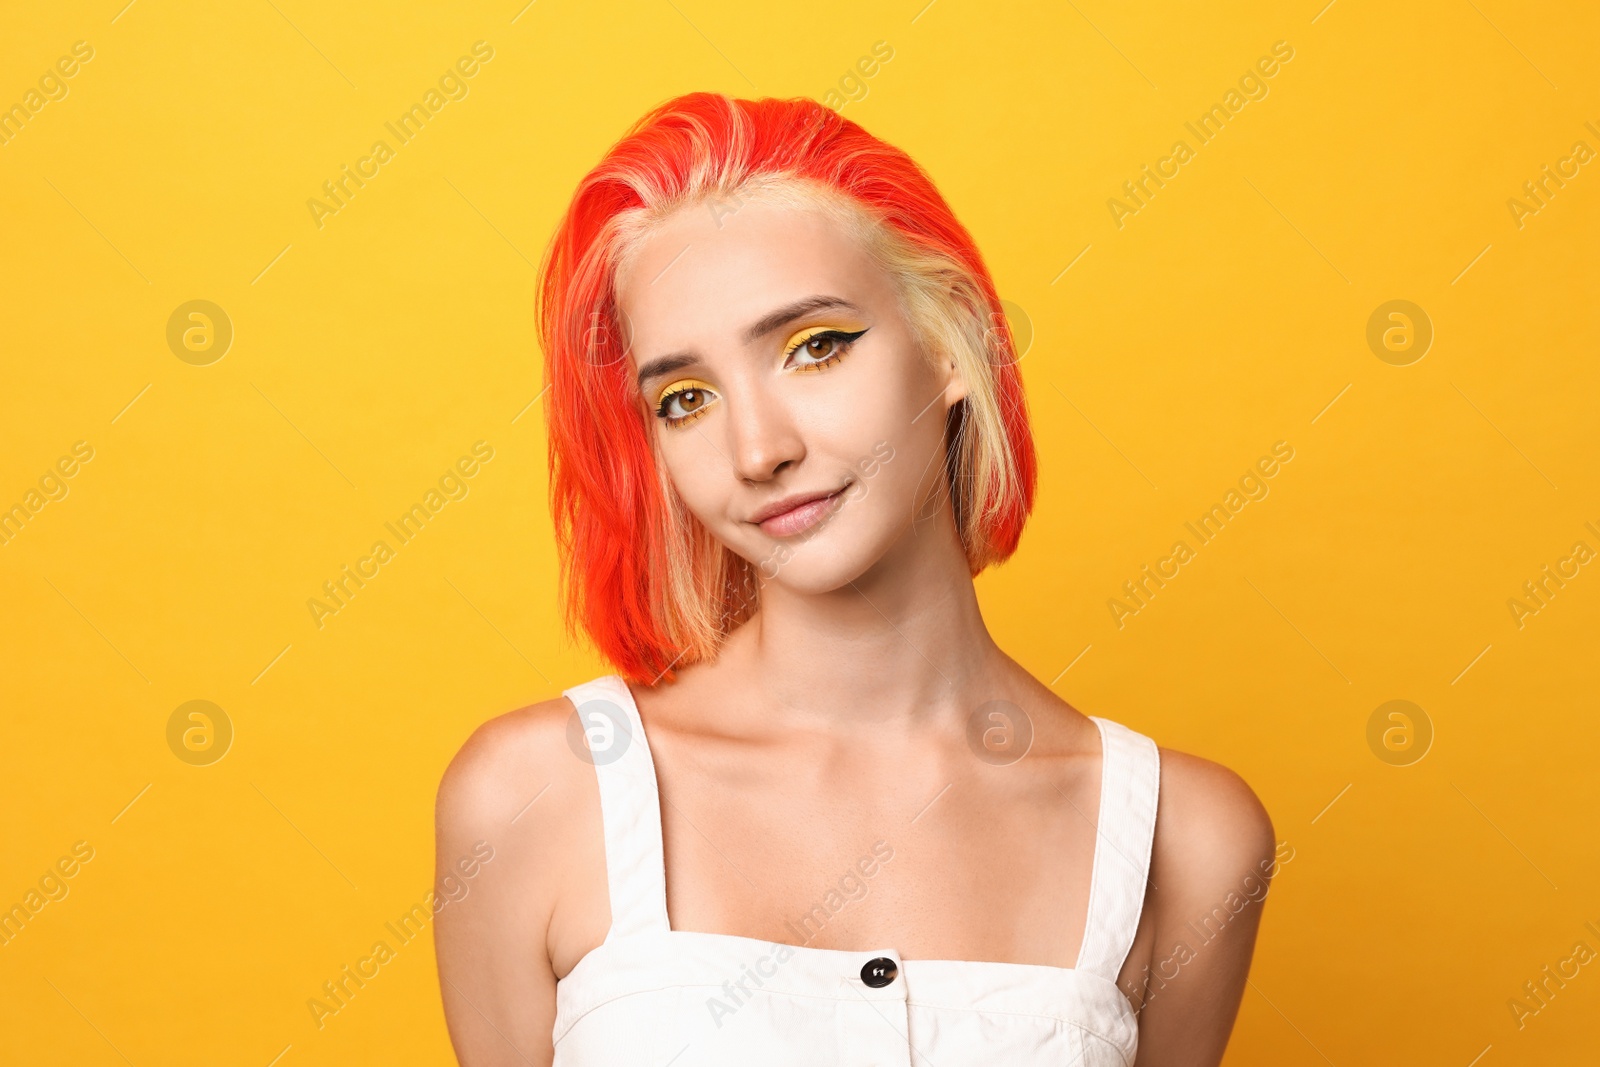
(681,385)
(808,333)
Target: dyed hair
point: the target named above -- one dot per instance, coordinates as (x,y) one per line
(640,575)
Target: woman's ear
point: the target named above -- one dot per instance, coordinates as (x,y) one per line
(955,384)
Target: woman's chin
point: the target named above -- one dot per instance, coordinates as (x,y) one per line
(819,564)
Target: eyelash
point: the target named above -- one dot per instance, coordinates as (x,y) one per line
(842,339)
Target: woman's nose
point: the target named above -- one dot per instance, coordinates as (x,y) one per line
(763,434)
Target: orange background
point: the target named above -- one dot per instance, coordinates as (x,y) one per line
(371,352)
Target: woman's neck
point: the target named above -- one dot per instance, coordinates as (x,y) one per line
(903,643)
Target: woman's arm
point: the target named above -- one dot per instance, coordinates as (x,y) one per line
(1212,857)
(492,941)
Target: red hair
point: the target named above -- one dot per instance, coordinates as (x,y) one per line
(615,524)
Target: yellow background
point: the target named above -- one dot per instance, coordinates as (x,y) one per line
(369,354)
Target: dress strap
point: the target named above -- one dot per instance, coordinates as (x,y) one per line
(1130,779)
(630,806)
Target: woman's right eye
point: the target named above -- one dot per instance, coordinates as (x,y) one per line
(683,401)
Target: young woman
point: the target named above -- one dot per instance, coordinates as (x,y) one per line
(818,816)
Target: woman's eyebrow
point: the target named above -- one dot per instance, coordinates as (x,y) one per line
(760,328)
(785,315)
(665,365)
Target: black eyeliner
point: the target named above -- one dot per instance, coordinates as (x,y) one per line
(837,335)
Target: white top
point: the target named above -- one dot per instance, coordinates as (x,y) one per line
(651,996)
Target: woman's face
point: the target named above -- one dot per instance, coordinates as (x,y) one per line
(778,366)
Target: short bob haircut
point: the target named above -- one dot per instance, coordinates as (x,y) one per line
(640,575)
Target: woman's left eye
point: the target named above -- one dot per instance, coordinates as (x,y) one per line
(819,346)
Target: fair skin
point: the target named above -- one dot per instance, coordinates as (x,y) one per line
(838,714)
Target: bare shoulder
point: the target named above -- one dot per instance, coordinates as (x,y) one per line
(1211,863)
(521,801)
(488,780)
(1211,828)
(518,787)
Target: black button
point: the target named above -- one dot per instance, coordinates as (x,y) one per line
(879,972)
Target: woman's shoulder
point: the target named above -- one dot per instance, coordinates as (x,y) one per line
(519,792)
(1212,831)
(517,769)
(1208,819)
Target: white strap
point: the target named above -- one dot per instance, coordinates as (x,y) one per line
(1130,780)
(630,805)
(630,810)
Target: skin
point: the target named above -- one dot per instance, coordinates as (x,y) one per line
(838,714)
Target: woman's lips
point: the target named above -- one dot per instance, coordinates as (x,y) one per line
(800,518)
